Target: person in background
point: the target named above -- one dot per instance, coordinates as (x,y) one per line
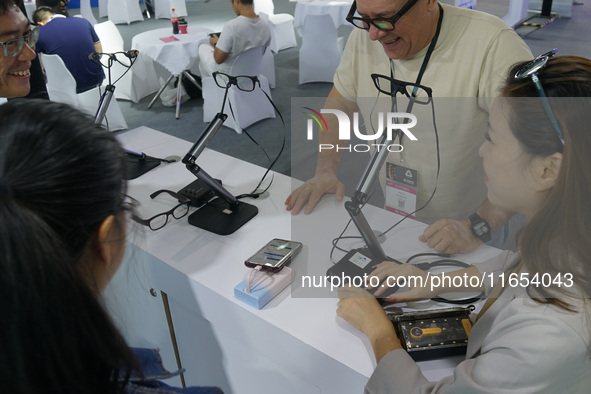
(57,6)
(73,39)
(458,53)
(531,337)
(62,238)
(17,51)
(240,34)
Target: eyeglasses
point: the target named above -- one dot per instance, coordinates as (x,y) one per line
(14,47)
(386,24)
(531,69)
(416,93)
(243,82)
(158,221)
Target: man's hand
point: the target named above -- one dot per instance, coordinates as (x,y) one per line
(450,236)
(311,192)
(389,269)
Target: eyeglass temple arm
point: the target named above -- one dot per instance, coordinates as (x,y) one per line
(546,105)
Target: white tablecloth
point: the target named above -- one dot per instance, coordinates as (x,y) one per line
(175,56)
(337,9)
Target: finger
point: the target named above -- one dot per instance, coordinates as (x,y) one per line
(433,229)
(288,202)
(313,199)
(298,201)
(422,238)
(340,191)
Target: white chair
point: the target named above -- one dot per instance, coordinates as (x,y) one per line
(86,11)
(124,11)
(133,86)
(268,67)
(162,8)
(282,31)
(61,87)
(319,58)
(246,107)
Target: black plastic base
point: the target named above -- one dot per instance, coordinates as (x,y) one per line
(218,218)
(137,166)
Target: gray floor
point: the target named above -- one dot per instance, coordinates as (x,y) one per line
(570,36)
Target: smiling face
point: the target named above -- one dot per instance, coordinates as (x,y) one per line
(412,33)
(14,71)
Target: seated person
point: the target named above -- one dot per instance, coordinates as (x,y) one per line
(73,39)
(62,238)
(531,337)
(15,62)
(240,34)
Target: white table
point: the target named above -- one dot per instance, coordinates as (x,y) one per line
(296,343)
(176,56)
(337,9)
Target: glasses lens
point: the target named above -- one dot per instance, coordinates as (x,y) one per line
(32,37)
(382,83)
(417,94)
(245,83)
(221,79)
(13,47)
(359,23)
(180,211)
(159,221)
(383,24)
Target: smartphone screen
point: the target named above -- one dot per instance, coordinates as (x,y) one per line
(274,255)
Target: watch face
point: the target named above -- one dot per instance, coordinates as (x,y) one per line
(481,228)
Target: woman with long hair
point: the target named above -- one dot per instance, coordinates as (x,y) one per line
(62,238)
(534,335)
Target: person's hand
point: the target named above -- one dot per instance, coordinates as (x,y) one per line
(450,236)
(416,279)
(361,309)
(213,39)
(311,192)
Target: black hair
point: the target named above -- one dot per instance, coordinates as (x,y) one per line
(60,177)
(6,4)
(42,13)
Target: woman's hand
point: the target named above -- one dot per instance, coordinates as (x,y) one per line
(362,311)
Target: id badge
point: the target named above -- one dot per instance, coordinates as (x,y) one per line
(401,189)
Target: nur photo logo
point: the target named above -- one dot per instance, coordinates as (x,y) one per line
(388,122)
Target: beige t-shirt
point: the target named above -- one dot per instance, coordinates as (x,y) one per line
(470,61)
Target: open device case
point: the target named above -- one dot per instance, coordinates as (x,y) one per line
(426,335)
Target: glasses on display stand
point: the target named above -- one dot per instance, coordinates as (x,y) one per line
(138,163)
(226,214)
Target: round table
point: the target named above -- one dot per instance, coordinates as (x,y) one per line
(176,53)
(337,9)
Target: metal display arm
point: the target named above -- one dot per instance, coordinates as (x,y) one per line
(221,219)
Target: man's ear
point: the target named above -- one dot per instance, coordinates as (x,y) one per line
(548,170)
(104,230)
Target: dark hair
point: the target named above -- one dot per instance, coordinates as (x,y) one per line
(556,240)
(6,4)
(42,13)
(60,177)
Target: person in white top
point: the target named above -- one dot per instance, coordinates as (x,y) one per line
(240,34)
(533,335)
(458,53)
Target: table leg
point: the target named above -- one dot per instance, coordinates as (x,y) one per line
(160,92)
(178,96)
(193,81)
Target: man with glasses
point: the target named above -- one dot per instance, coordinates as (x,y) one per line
(458,53)
(17,41)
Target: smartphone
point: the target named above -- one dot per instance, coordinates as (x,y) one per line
(274,255)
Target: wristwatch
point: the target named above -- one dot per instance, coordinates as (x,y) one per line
(480,228)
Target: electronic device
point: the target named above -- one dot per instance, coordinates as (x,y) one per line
(274,255)
(426,335)
(198,192)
